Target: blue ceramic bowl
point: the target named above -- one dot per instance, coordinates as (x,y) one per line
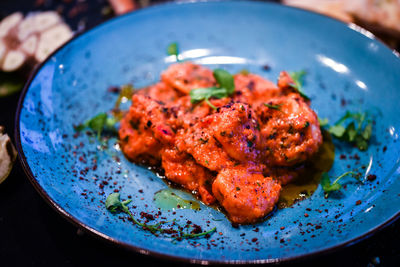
(345,65)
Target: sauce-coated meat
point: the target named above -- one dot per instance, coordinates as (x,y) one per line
(239,150)
(245,193)
(181,168)
(187,76)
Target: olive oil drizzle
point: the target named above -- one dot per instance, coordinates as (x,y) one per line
(306,184)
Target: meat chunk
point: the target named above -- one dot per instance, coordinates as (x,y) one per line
(205,149)
(144,130)
(187,76)
(284,175)
(184,114)
(181,168)
(234,126)
(220,139)
(160,92)
(253,89)
(245,193)
(290,130)
(137,143)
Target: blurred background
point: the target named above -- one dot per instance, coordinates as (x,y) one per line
(31,233)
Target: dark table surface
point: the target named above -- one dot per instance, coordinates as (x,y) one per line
(33,234)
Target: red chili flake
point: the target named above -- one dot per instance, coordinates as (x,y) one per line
(305,214)
(384,149)
(282,240)
(371,177)
(282,228)
(266,67)
(116,190)
(140,191)
(343,156)
(254,240)
(358,202)
(83,194)
(356,157)
(146,215)
(101,186)
(113,89)
(196,229)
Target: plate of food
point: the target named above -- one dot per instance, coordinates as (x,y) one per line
(217,132)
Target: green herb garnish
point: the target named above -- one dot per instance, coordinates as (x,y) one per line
(298,81)
(329,187)
(323,122)
(173,50)
(98,123)
(226,87)
(277,107)
(114,205)
(358,130)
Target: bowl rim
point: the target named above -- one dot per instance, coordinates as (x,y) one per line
(148,252)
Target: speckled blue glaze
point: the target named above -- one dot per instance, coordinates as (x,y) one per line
(344,64)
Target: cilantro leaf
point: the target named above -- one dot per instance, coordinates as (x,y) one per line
(298,81)
(329,187)
(224,80)
(337,130)
(98,123)
(326,184)
(367,132)
(113,202)
(358,130)
(225,88)
(323,122)
(173,49)
(351,132)
(277,107)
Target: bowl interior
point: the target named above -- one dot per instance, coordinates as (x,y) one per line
(346,70)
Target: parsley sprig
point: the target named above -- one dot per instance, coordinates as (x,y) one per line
(226,87)
(358,130)
(114,205)
(298,81)
(329,187)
